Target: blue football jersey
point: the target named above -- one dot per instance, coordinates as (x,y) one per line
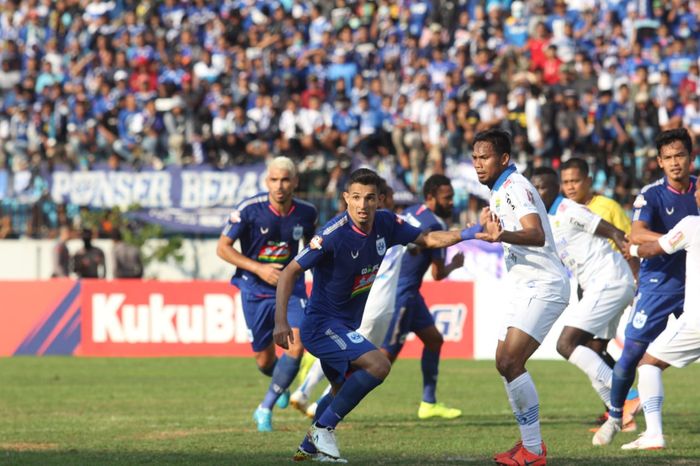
(269,237)
(414,266)
(345,262)
(661,207)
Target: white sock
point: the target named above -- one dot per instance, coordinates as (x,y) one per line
(527,411)
(651,394)
(313,377)
(599,373)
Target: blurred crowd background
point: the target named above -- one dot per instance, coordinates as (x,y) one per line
(398,85)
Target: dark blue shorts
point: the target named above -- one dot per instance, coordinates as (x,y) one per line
(411,314)
(259,313)
(335,343)
(650,315)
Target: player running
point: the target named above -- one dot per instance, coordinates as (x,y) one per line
(269,227)
(345,259)
(411,314)
(603,274)
(657,209)
(538,284)
(679,344)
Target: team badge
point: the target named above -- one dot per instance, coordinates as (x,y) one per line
(381,246)
(297,232)
(639,201)
(640,318)
(235,217)
(677,238)
(355,337)
(316,242)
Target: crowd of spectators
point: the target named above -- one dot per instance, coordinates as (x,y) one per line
(397,84)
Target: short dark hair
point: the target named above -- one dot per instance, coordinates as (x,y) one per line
(432,184)
(546,172)
(498,138)
(672,135)
(383,189)
(364,176)
(578,163)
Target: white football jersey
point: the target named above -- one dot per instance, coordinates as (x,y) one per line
(382,296)
(535,268)
(589,257)
(686,235)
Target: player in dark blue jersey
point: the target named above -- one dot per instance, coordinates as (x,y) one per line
(269,227)
(661,285)
(345,257)
(411,314)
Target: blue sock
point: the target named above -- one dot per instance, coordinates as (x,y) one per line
(624,373)
(268,371)
(429,365)
(351,393)
(282,377)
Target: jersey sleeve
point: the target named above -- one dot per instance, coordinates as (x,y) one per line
(644,206)
(314,252)
(678,238)
(402,232)
(521,200)
(236,224)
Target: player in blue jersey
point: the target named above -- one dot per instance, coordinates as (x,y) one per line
(411,314)
(269,227)
(345,257)
(657,209)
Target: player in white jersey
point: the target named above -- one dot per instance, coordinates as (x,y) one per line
(375,319)
(604,275)
(679,344)
(538,283)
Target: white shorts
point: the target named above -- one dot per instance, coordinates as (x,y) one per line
(376,319)
(679,344)
(532,315)
(599,310)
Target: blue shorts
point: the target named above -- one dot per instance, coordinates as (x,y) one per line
(335,343)
(259,313)
(411,314)
(650,315)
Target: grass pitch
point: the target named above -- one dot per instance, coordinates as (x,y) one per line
(81,411)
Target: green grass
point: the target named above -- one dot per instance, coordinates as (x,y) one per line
(198,411)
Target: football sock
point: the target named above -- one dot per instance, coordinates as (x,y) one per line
(359,384)
(314,376)
(285,371)
(429,363)
(595,368)
(651,394)
(527,411)
(624,373)
(270,369)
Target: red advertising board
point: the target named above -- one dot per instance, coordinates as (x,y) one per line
(150,318)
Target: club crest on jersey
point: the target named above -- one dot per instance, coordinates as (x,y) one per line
(640,318)
(355,337)
(639,201)
(235,217)
(381,246)
(316,242)
(297,232)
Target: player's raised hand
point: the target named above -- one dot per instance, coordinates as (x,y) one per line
(457,261)
(492,229)
(485,215)
(270,273)
(283,335)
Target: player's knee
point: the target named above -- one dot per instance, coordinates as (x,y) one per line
(266,369)
(435,343)
(565,347)
(380,368)
(508,366)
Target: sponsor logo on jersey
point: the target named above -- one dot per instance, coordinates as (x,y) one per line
(274,251)
(363,282)
(677,238)
(381,246)
(264,230)
(355,337)
(670,211)
(235,217)
(297,232)
(639,201)
(316,242)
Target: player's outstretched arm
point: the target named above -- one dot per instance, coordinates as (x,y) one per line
(610,231)
(267,272)
(440,270)
(532,233)
(648,249)
(642,234)
(282,333)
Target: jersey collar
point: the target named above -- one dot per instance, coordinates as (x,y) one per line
(555,205)
(675,191)
(503,176)
(277,212)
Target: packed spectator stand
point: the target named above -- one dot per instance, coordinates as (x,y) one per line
(401,86)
